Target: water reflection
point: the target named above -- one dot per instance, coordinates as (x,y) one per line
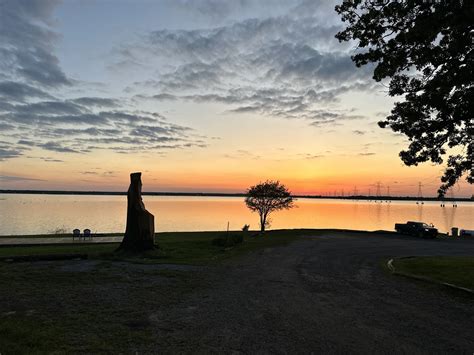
(449,215)
(33,214)
(378,215)
(420,212)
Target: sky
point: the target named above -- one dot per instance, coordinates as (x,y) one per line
(201,95)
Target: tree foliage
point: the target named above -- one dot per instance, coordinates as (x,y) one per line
(425,50)
(267,197)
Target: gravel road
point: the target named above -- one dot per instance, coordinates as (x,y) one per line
(324,294)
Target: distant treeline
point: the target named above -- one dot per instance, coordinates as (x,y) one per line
(221,194)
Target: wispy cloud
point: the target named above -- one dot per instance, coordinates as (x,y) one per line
(279,61)
(286,66)
(30,72)
(17,178)
(28,41)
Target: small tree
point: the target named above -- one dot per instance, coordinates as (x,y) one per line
(267,197)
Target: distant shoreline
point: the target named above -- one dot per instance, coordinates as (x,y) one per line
(221,194)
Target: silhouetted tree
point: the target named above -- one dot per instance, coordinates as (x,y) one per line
(267,197)
(426,49)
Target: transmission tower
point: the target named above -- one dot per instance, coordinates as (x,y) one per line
(378,190)
(420,194)
(355,193)
(388,193)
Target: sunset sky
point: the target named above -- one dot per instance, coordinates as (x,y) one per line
(203,95)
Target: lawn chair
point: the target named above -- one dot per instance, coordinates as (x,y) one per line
(76,233)
(87,234)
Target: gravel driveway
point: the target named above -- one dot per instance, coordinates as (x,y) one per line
(324,294)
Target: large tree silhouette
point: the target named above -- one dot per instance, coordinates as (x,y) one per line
(425,50)
(268,197)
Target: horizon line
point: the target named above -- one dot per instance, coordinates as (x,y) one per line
(230,194)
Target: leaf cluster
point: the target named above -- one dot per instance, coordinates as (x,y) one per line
(268,196)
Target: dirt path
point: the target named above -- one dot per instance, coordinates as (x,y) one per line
(322,294)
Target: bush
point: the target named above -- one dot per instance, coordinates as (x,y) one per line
(228,240)
(246,227)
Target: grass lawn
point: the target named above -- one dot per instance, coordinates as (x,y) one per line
(106,304)
(174,247)
(456,270)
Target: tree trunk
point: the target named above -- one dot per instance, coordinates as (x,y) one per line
(262,223)
(140,230)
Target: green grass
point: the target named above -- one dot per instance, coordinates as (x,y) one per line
(106,305)
(174,247)
(456,270)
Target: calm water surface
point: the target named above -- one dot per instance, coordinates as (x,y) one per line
(38,214)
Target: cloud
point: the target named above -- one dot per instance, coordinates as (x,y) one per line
(85,124)
(279,60)
(49,108)
(96,102)
(6,153)
(10,151)
(16,91)
(28,42)
(221,11)
(288,65)
(103,173)
(56,147)
(52,160)
(243,153)
(325,118)
(313,156)
(46,159)
(6,127)
(193,76)
(366,154)
(17,178)
(67,127)
(275,102)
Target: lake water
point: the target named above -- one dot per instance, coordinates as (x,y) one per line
(38,214)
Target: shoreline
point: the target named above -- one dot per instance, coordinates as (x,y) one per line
(441,236)
(222,194)
(157,234)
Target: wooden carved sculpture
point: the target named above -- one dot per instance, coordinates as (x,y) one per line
(140,230)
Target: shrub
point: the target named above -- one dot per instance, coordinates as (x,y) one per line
(245,228)
(228,240)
